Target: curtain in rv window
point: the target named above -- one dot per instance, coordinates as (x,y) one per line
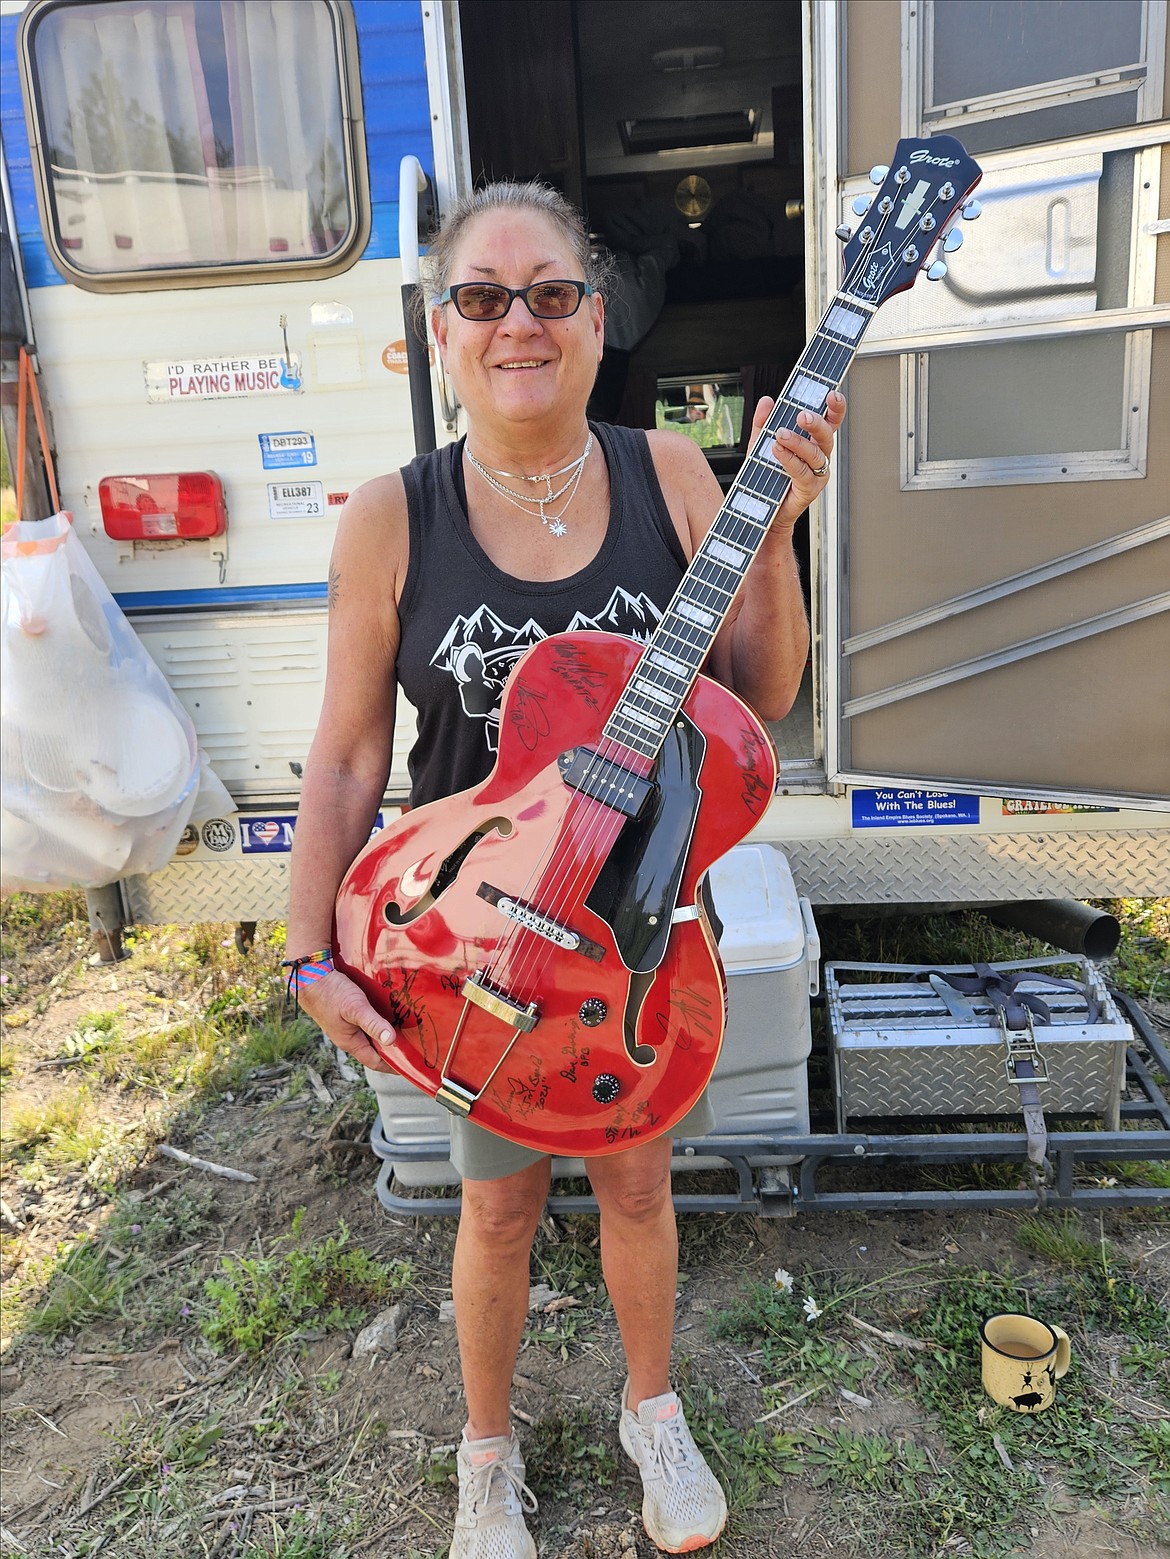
(192,133)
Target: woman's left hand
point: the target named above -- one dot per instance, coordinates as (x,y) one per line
(804,452)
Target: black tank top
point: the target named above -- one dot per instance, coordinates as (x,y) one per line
(465,623)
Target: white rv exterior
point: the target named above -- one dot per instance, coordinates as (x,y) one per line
(987,713)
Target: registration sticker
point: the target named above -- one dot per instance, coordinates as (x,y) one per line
(278,450)
(295,500)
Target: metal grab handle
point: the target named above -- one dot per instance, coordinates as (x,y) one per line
(412,182)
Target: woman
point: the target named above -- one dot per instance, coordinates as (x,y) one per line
(438,576)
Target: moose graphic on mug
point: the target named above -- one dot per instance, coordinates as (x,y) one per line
(1023,1358)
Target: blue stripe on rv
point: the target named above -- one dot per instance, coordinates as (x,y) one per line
(232,595)
(397,122)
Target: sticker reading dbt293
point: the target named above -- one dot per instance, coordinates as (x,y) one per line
(287,449)
(296,500)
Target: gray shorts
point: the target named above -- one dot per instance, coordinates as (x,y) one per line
(479,1154)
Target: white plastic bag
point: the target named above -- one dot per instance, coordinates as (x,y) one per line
(99,764)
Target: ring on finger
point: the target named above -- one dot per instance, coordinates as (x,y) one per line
(822,468)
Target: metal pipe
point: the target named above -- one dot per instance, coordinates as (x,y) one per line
(412,182)
(1067,923)
(107,920)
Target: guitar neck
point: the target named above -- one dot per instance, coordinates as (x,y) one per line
(680,643)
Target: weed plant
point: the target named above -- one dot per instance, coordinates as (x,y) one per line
(256,1303)
(569,1453)
(972,1475)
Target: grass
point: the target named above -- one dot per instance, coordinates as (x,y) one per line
(113,1273)
(258,1303)
(570,1454)
(966,1480)
(189,1021)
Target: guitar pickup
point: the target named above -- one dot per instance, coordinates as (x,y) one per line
(601,779)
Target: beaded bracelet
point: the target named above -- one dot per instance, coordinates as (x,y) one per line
(307,971)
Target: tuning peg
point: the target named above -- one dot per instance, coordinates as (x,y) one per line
(953,241)
(971,210)
(937,271)
(878,175)
(844,232)
(861,204)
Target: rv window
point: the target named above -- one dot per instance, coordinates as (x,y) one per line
(1001,73)
(181,137)
(963,405)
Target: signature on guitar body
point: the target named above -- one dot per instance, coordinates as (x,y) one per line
(540,941)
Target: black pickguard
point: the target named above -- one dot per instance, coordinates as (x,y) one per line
(637,889)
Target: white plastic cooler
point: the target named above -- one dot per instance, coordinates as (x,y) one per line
(770,951)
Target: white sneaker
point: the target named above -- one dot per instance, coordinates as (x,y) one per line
(683,1507)
(493,1497)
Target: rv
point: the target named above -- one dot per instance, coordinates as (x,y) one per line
(213,212)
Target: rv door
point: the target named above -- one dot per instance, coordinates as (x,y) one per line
(998,542)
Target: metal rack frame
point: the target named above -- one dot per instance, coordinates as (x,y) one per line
(792,1186)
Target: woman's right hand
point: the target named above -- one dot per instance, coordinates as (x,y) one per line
(347,1019)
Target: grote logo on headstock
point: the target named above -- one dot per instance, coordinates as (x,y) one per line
(935,162)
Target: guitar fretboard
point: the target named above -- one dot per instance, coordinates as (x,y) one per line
(679,645)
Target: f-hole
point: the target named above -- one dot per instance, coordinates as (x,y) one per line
(447,872)
(640,1055)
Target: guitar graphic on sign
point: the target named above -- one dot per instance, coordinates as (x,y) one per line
(290,368)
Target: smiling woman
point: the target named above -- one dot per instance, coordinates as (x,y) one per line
(540,523)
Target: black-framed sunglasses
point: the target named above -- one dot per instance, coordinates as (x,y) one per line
(486,300)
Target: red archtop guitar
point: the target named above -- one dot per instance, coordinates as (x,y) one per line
(539,943)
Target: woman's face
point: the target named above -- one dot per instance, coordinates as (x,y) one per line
(519,369)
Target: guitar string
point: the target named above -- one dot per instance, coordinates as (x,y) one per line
(522,939)
(569,841)
(570,835)
(768,474)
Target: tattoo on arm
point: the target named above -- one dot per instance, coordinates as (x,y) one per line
(334,585)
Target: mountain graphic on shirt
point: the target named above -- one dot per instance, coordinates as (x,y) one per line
(480,649)
(634,615)
(491,634)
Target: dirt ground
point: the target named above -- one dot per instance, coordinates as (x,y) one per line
(316,1426)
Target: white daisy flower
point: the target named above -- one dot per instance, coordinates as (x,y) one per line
(784,1280)
(811,1308)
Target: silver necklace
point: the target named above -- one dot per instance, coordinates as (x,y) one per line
(553,523)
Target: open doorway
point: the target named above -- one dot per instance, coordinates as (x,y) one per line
(678,126)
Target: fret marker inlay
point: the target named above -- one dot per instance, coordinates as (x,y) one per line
(675,667)
(806,391)
(694,613)
(844,322)
(742,503)
(639,718)
(729,555)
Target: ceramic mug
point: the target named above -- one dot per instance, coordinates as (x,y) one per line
(1023,1358)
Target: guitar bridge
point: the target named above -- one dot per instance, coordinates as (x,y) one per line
(476,990)
(532,920)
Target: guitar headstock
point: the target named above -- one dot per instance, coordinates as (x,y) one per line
(921,197)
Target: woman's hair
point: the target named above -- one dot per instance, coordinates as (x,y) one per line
(505,195)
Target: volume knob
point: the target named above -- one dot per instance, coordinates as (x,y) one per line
(593,1011)
(606,1088)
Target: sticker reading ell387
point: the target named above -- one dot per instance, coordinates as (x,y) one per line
(295,500)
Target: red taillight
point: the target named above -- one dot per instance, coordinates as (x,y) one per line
(179,505)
